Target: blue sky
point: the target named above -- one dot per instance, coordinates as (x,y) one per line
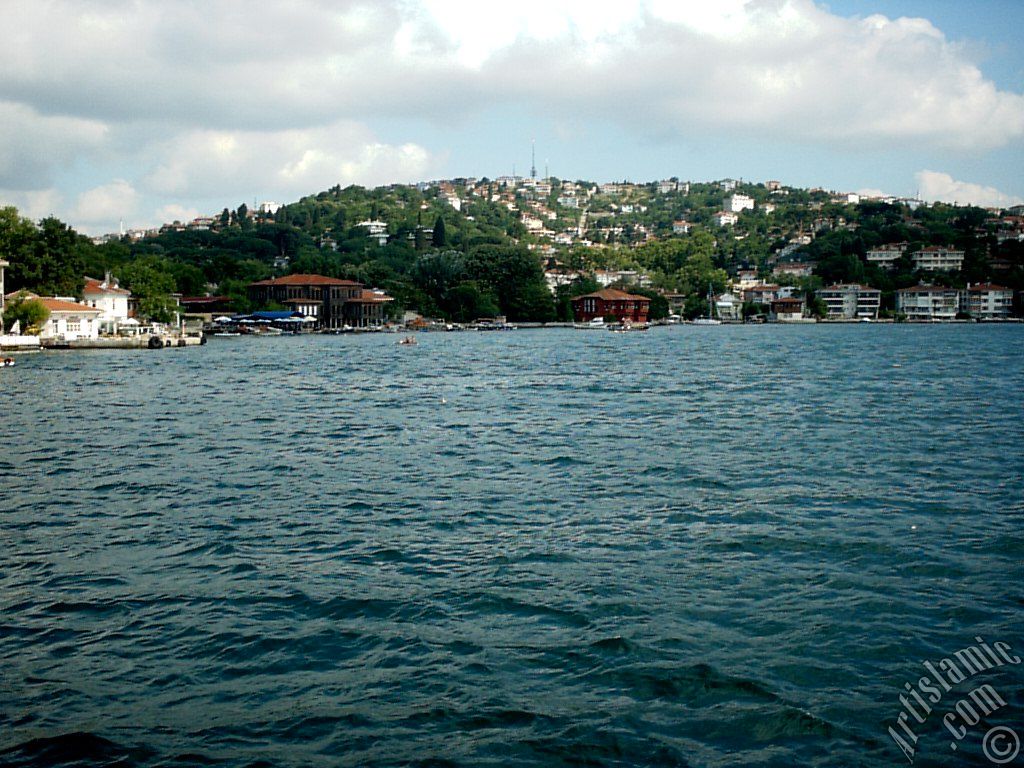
(146,112)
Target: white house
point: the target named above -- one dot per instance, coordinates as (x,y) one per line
(928,302)
(886,256)
(557,277)
(794,268)
(788,310)
(938,259)
(376,230)
(725,218)
(850,300)
(681,227)
(729,307)
(106,296)
(607,277)
(69,320)
(737,202)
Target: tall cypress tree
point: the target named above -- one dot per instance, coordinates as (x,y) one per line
(439,240)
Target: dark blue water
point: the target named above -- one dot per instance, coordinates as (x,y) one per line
(694,546)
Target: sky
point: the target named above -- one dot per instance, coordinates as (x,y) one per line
(147,111)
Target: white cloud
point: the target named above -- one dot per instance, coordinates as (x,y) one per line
(189,102)
(207,163)
(942,187)
(176,212)
(33,204)
(784,68)
(105,203)
(34,147)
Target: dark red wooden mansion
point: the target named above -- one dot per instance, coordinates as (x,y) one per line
(611,302)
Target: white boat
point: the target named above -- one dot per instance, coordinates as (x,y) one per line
(596,324)
(710,319)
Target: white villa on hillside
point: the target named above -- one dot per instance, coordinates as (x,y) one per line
(938,259)
(737,202)
(886,256)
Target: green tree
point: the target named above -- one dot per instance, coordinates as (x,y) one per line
(152,283)
(29,312)
(49,260)
(439,239)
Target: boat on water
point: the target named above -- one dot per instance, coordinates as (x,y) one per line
(407,340)
(596,324)
(710,319)
(626,326)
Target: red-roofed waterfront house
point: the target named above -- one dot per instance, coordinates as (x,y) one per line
(611,303)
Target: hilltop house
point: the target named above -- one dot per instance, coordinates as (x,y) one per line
(610,302)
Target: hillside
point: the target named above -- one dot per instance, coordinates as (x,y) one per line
(469,248)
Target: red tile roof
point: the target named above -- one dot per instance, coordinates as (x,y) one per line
(57,305)
(92,285)
(371,297)
(612,294)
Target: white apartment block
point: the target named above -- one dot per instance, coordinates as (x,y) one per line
(985,301)
(928,302)
(725,219)
(850,301)
(938,259)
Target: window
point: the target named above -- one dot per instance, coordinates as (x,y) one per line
(74,326)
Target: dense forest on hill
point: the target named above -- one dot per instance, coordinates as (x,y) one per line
(485,253)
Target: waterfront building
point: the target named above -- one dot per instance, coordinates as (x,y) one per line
(367,310)
(985,301)
(108,297)
(849,301)
(69,320)
(928,302)
(935,258)
(760,294)
(728,306)
(787,310)
(611,302)
(316,296)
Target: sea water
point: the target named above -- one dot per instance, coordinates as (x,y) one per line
(690,546)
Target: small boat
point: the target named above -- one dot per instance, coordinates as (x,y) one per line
(710,319)
(8,361)
(407,340)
